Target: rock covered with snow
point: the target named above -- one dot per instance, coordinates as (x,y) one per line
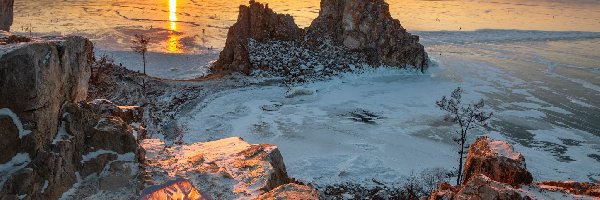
(498,160)
(368,27)
(348,34)
(260,23)
(6,14)
(225,169)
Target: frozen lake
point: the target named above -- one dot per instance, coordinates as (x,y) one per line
(544,92)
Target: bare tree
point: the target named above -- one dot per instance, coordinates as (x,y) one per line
(467,117)
(140,46)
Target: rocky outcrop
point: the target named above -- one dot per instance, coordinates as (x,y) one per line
(225,169)
(348,34)
(256,22)
(175,189)
(6,14)
(495,171)
(291,191)
(368,27)
(479,187)
(498,160)
(58,143)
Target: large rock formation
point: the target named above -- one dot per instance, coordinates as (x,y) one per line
(367,26)
(257,22)
(55,141)
(498,160)
(6,14)
(224,169)
(347,34)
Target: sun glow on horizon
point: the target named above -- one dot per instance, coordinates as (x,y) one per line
(173,42)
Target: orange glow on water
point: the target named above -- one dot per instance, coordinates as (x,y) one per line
(173,42)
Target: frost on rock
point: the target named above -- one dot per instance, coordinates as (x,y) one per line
(230,168)
(18,162)
(5,112)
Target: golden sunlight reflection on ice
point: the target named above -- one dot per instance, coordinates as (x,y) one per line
(173,42)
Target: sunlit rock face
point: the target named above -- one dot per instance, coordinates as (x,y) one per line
(175,189)
(368,27)
(291,191)
(57,141)
(346,34)
(6,14)
(260,23)
(229,168)
(497,160)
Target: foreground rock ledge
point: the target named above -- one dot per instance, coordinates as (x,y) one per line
(364,29)
(229,168)
(497,160)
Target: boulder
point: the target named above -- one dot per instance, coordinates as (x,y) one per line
(228,168)
(175,189)
(368,27)
(497,160)
(257,22)
(6,14)
(291,191)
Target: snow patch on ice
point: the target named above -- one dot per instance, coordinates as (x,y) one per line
(8,113)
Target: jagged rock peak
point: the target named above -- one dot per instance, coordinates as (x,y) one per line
(258,22)
(497,160)
(368,26)
(364,28)
(6,14)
